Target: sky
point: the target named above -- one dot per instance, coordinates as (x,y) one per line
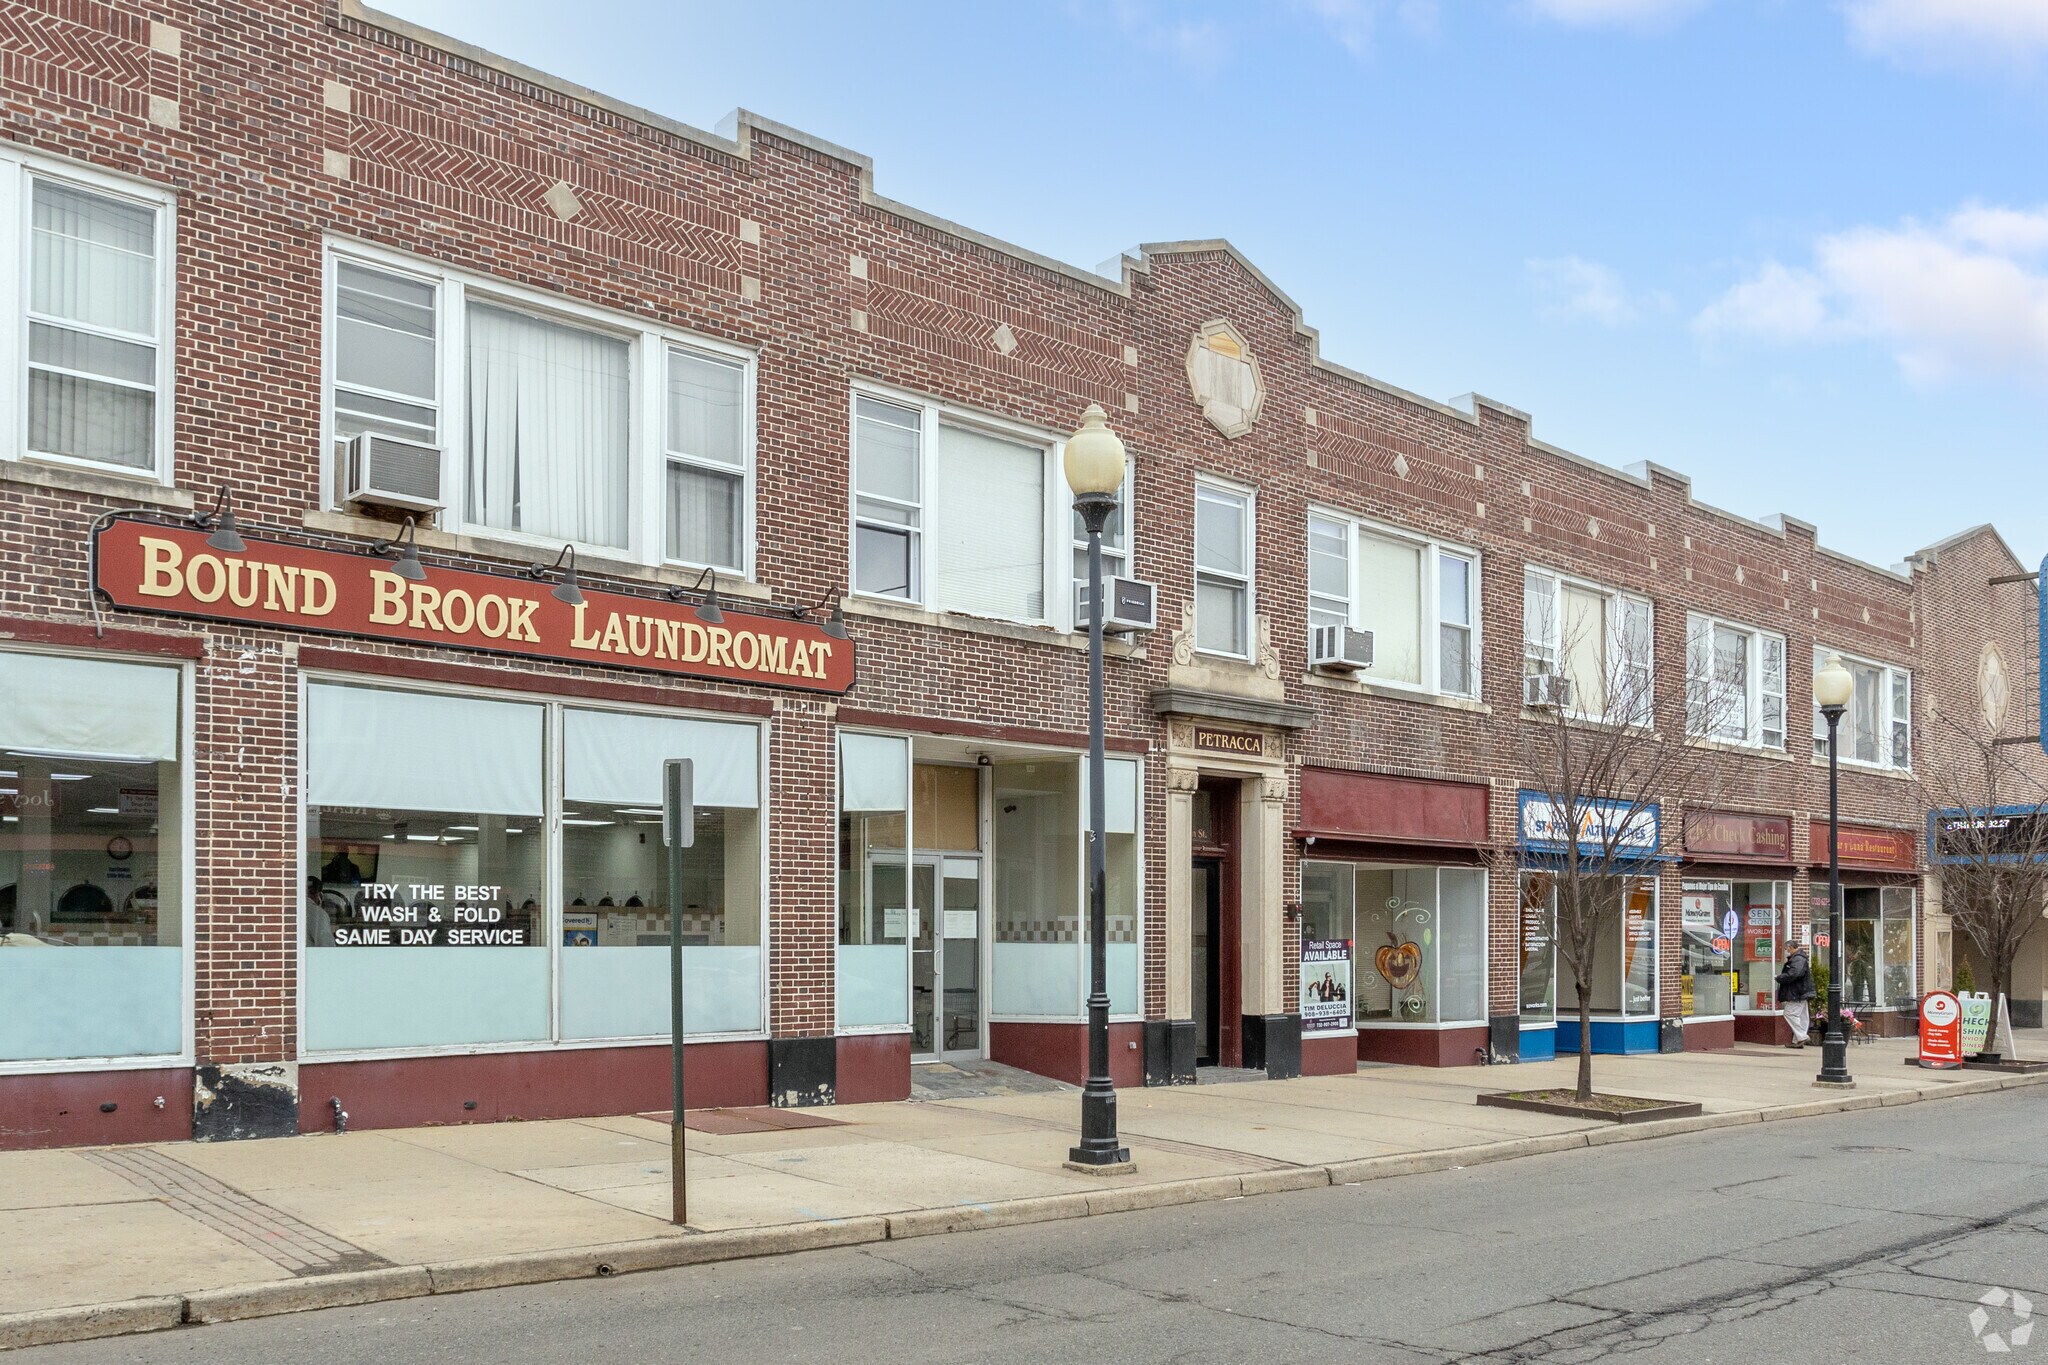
(1794,249)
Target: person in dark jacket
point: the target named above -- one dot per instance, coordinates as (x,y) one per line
(1795,994)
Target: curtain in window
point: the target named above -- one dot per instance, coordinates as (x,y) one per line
(367,747)
(549,444)
(615,758)
(991,507)
(59,705)
(1583,641)
(1390,606)
(707,457)
(1329,572)
(93,272)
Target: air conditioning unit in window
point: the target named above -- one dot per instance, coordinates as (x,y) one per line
(390,471)
(1544,691)
(1129,605)
(1339,649)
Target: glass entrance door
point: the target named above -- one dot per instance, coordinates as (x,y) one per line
(945,957)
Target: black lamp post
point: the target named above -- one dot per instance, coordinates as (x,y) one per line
(1832,688)
(1095,471)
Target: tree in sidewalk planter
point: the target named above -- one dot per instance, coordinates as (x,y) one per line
(1965,982)
(1992,857)
(1603,772)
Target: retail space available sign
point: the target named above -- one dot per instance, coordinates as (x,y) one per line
(145,566)
(1325,984)
(1630,831)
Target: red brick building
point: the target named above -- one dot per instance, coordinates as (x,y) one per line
(313,812)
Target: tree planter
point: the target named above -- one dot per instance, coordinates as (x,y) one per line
(1610,1108)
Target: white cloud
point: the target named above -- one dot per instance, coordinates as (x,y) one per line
(1574,287)
(1601,13)
(1950,32)
(1202,45)
(1354,24)
(1965,296)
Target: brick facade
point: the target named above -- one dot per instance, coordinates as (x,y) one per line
(280,126)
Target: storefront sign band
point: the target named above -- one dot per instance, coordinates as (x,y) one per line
(147,566)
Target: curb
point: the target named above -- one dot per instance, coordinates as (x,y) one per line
(49,1326)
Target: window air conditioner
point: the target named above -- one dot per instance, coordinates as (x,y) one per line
(1131,604)
(390,471)
(1339,649)
(1547,690)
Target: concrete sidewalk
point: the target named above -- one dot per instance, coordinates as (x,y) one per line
(101,1241)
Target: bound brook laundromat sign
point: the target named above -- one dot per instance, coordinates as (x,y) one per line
(146,566)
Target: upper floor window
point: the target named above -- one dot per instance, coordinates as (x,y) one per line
(1116,539)
(1597,639)
(950,512)
(1877,729)
(551,414)
(1735,683)
(90,308)
(1223,570)
(1420,600)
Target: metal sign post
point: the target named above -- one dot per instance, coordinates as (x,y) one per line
(678,832)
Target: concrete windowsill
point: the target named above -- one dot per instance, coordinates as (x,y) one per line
(1360,688)
(142,488)
(1746,750)
(905,614)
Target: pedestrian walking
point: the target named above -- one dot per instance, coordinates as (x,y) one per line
(1795,993)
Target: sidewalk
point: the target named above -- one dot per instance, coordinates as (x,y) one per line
(140,1238)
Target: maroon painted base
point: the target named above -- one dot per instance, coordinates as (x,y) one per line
(1061,1051)
(1336,1055)
(1717,1036)
(411,1092)
(1770,1030)
(65,1110)
(874,1068)
(1423,1047)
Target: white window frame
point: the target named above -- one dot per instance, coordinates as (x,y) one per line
(1890,677)
(1055,550)
(1431,607)
(554,709)
(647,449)
(18,170)
(1248,581)
(1613,616)
(1699,679)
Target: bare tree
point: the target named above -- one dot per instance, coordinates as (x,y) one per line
(1990,844)
(1602,772)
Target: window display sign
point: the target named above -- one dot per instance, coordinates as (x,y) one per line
(1325,984)
(398,915)
(147,566)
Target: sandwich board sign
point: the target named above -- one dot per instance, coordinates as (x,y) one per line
(1941,1042)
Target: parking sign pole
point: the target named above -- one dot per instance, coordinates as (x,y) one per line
(678,832)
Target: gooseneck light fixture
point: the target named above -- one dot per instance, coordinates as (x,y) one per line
(835,624)
(567,591)
(1095,471)
(220,521)
(1833,686)
(407,542)
(707,608)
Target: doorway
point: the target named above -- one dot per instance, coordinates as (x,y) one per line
(1215,948)
(1205,915)
(945,957)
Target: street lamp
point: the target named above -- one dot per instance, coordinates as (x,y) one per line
(1832,687)
(1095,471)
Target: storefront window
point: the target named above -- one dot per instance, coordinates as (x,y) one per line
(1624,968)
(1877,945)
(615,911)
(92,860)
(1765,909)
(1122,864)
(1420,944)
(1712,929)
(1327,927)
(1539,948)
(1038,880)
(425,867)
(874,882)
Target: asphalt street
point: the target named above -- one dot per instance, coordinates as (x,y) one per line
(1866,1237)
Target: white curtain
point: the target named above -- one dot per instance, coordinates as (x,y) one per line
(422,751)
(991,507)
(874,773)
(617,759)
(93,263)
(1583,640)
(549,427)
(79,708)
(1390,606)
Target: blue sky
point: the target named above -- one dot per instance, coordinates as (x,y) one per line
(1796,249)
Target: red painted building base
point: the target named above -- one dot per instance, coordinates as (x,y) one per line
(1061,1051)
(1423,1046)
(874,1068)
(412,1092)
(1716,1035)
(71,1110)
(1335,1055)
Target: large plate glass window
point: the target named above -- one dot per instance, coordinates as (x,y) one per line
(707,459)
(95,325)
(616,916)
(1538,924)
(1421,944)
(1038,819)
(1223,570)
(1707,952)
(1878,945)
(874,882)
(1328,930)
(426,869)
(93,848)
(1877,728)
